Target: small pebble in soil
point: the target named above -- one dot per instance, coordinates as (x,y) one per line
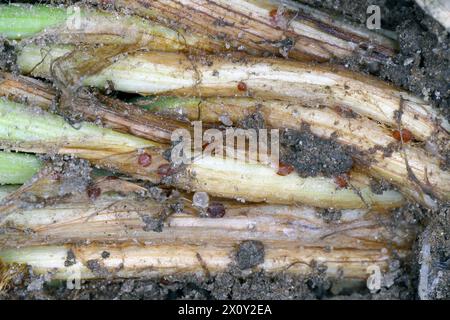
(200,200)
(70,259)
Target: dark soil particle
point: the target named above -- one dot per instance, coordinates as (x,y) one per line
(249,254)
(345,112)
(331,215)
(156,193)
(312,156)
(74,174)
(216,210)
(379,186)
(96,267)
(155,224)
(70,259)
(105,254)
(7,57)
(253,121)
(434,282)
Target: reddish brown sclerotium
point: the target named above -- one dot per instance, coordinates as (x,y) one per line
(93,192)
(164,170)
(341,181)
(403,134)
(284,169)
(242,86)
(145,159)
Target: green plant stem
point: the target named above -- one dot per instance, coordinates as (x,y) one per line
(17,168)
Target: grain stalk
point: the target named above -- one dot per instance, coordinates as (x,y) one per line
(30,129)
(293,237)
(374,147)
(313,85)
(17,168)
(284,28)
(84,25)
(25,129)
(371,141)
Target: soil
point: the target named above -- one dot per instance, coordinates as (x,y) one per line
(423,67)
(249,254)
(300,149)
(233,284)
(423,63)
(253,121)
(152,223)
(7,57)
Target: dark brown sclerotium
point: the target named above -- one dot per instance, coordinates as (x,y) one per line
(216,210)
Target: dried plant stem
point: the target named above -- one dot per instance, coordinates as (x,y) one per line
(313,85)
(284,28)
(41,132)
(294,238)
(374,147)
(160,259)
(32,130)
(84,25)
